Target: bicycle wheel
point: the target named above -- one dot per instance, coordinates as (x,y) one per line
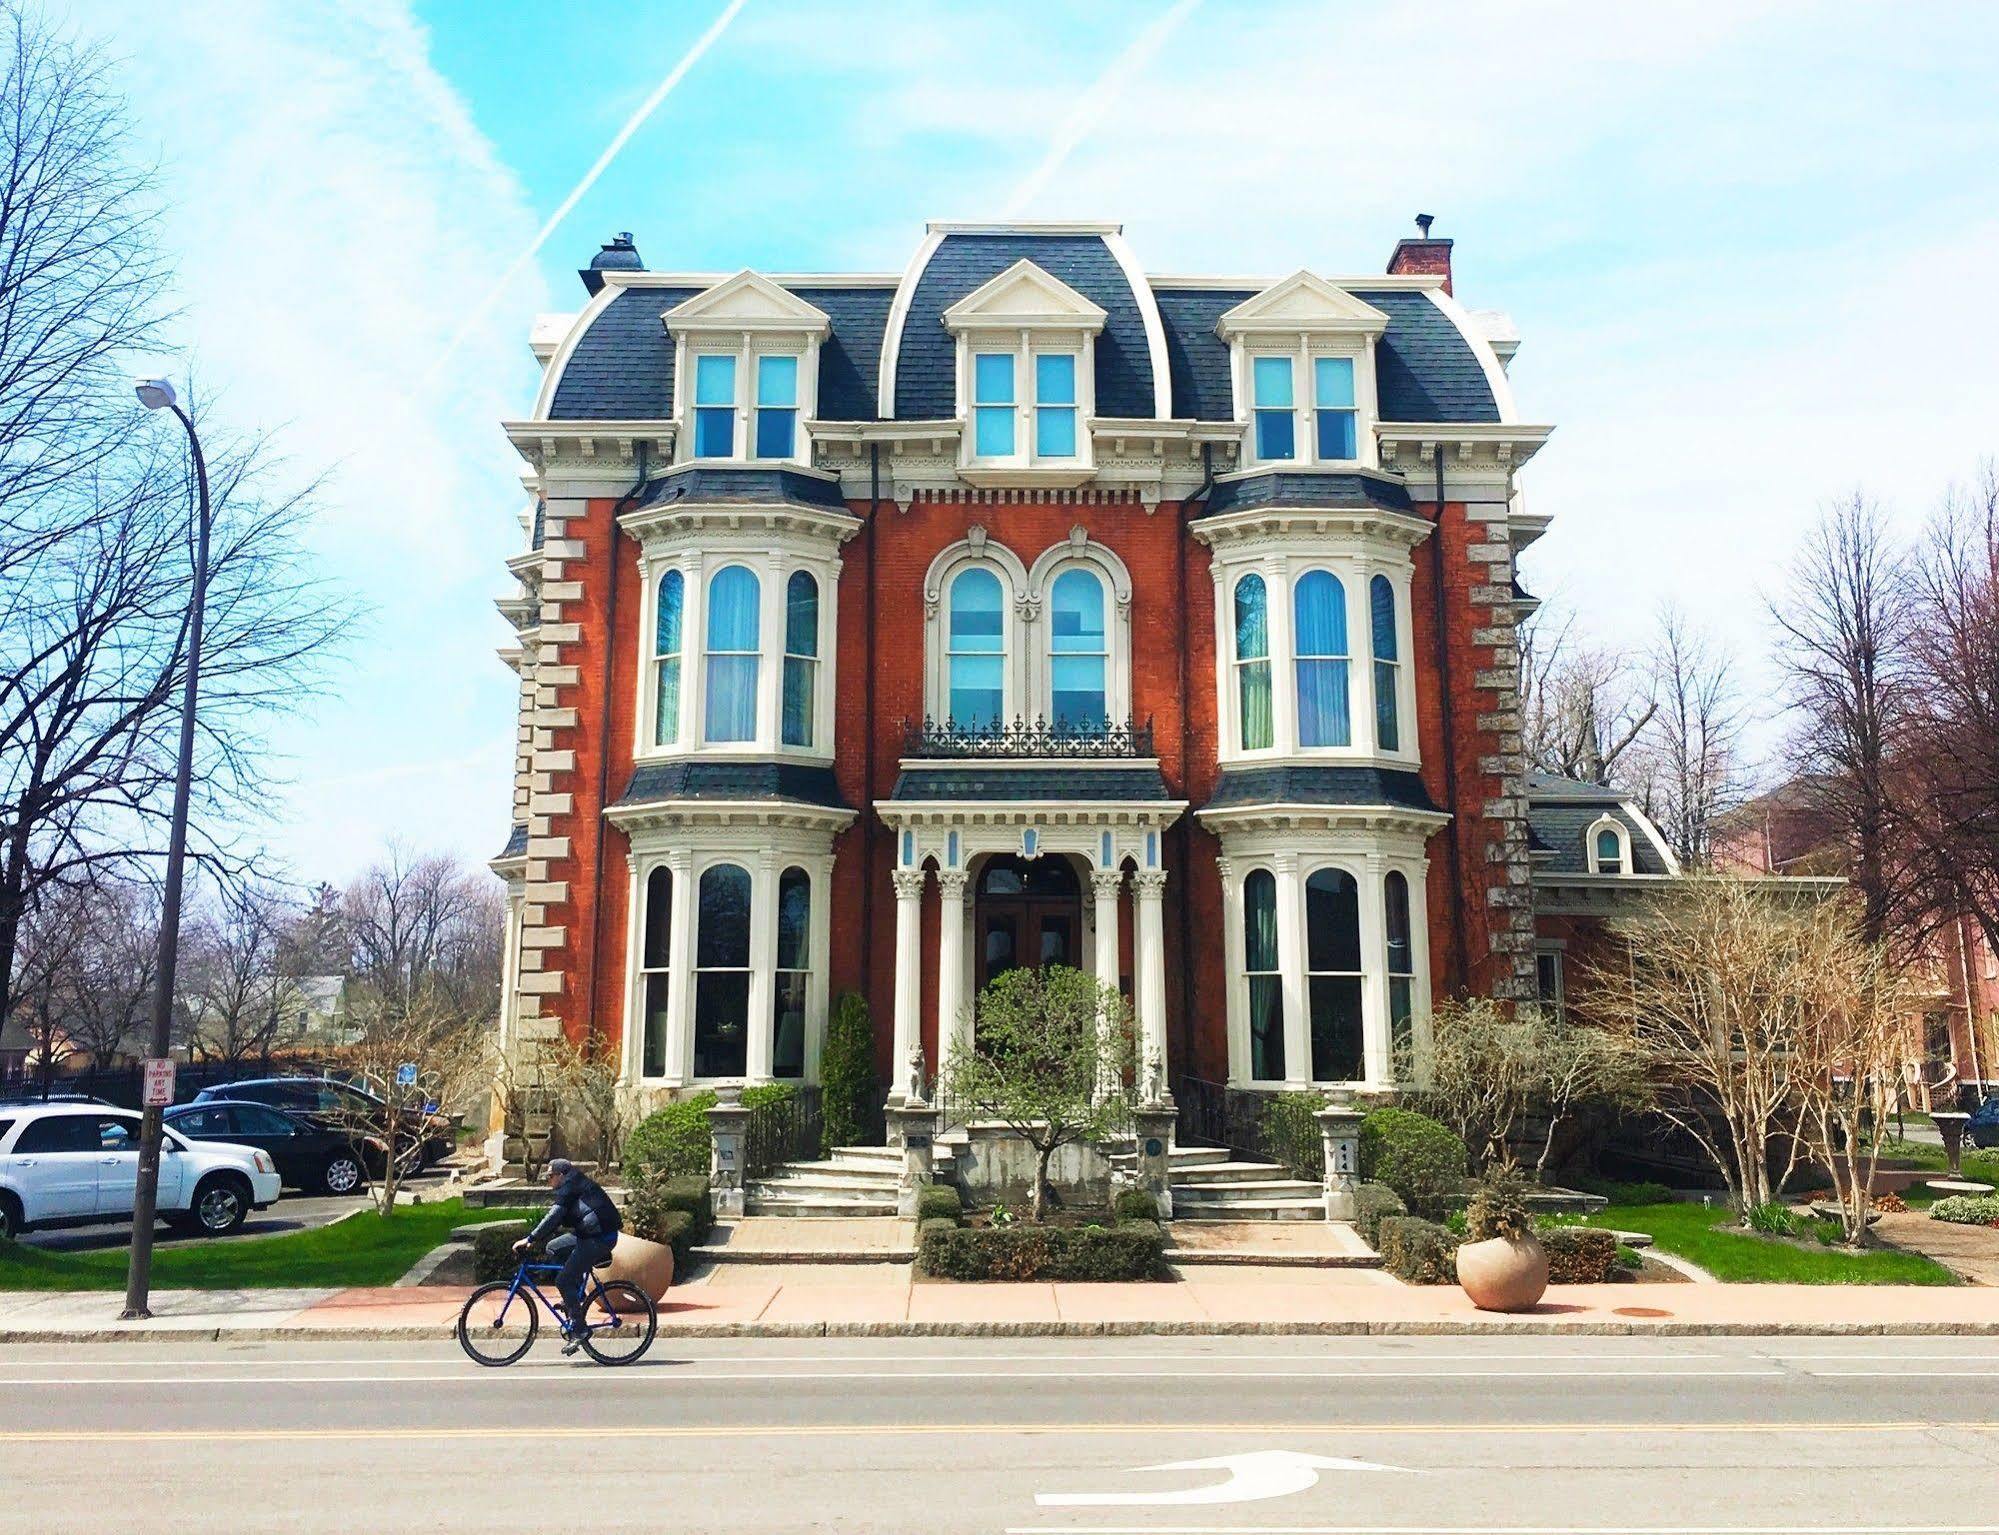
(622,1320)
(498,1326)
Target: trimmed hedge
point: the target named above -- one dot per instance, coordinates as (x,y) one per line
(1128,1250)
(1619,1193)
(939,1202)
(1414,1155)
(673,1140)
(677,1211)
(493,1255)
(1966,1210)
(1134,1204)
(1374,1203)
(1579,1254)
(936,1223)
(1417,1251)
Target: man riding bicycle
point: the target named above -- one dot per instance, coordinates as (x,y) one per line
(594,1224)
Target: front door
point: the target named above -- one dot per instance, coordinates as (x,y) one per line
(1027,913)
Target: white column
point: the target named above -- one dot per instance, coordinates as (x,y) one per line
(908,975)
(693,653)
(1360,650)
(680,969)
(1283,661)
(817,1007)
(1419,963)
(1233,984)
(633,1033)
(1291,964)
(954,1023)
(1148,890)
(1104,885)
(758,1052)
(770,647)
(1375,1046)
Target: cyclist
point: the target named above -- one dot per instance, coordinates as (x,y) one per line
(594,1224)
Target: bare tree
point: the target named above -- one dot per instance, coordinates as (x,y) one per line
(1693,769)
(1844,627)
(51,939)
(427,925)
(107,982)
(1584,707)
(240,1002)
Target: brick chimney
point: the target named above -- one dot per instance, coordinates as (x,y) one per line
(1422,254)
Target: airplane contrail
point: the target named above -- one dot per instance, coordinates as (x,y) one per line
(1098,100)
(632,125)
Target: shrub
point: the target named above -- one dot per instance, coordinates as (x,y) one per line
(1293,1134)
(1415,1156)
(1129,1250)
(1417,1251)
(850,1095)
(1373,1203)
(493,1255)
(939,1223)
(1773,1221)
(1966,1210)
(1641,1193)
(1134,1204)
(1579,1254)
(1629,1258)
(652,1200)
(673,1140)
(1498,1208)
(939,1202)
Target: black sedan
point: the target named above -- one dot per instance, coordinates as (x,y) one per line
(421,1139)
(308,1156)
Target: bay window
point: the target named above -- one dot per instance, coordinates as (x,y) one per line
(791,982)
(654,963)
(1264,974)
(1333,975)
(666,658)
(722,973)
(1319,635)
(733,644)
(715,405)
(1401,958)
(801,657)
(1252,663)
(1387,667)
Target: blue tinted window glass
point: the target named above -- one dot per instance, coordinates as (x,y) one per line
(1273,382)
(1076,612)
(1334,381)
(992,378)
(1276,434)
(714,380)
(1381,615)
(666,636)
(1055,378)
(1055,432)
(994,437)
(975,611)
(1336,435)
(777,380)
(714,431)
(732,609)
(777,431)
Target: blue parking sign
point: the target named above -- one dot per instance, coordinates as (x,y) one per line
(406,1074)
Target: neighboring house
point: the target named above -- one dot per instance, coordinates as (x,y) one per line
(880,632)
(17,1045)
(319,1017)
(1953,1036)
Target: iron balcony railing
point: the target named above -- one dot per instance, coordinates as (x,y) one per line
(1026,738)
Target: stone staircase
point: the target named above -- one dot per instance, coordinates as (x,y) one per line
(854,1180)
(1209,1186)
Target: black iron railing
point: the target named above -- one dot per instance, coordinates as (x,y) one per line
(1214,1114)
(787,1129)
(1026,738)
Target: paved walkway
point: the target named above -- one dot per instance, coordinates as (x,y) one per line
(1969,1251)
(749,1299)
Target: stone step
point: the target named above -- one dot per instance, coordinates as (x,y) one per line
(1229,1172)
(1195,1208)
(816,1175)
(890,1154)
(1178,1157)
(763,1199)
(1237,1191)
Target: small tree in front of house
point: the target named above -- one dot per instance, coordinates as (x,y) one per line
(1044,1043)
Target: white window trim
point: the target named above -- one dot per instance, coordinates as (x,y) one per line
(1024,345)
(746,347)
(1304,349)
(1609,822)
(1078,552)
(981,551)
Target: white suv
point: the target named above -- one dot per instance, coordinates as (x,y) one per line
(67,1164)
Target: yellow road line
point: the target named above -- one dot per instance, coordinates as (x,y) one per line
(930,1430)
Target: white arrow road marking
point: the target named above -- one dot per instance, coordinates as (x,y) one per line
(1253,1476)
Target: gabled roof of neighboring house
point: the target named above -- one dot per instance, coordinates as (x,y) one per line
(1560,813)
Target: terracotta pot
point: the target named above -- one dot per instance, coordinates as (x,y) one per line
(1503,1274)
(649,1265)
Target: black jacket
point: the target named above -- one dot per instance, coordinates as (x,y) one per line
(581,1206)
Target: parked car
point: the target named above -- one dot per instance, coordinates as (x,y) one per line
(1984,1123)
(308,1156)
(420,1140)
(63,1164)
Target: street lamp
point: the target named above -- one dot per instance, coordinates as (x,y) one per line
(158,394)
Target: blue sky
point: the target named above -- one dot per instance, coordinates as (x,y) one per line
(1749,247)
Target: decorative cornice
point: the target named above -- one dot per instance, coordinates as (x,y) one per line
(1321,818)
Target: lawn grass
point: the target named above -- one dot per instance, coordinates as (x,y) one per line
(1736,1257)
(364,1249)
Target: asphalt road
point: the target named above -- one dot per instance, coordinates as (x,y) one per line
(1459,1436)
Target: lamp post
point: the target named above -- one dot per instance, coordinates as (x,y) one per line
(158,394)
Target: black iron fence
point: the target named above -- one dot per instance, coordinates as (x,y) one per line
(1214,1114)
(1026,738)
(123,1085)
(780,1130)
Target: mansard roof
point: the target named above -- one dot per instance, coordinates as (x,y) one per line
(1560,812)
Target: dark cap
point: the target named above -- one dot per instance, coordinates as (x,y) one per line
(561,1167)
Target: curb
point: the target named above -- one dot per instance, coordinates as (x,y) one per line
(1522,1327)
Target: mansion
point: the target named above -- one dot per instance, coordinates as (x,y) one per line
(880,632)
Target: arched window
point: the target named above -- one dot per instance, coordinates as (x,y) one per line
(1609,849)
(1078,652)
(1381,618)
(1401,964)
(794,975)
(1333,974)
(801,656)
(974,651)
(666,659)
(1319,634)
(1252,661)
(733,601)
(1266,981)
(654,954)
(722,973)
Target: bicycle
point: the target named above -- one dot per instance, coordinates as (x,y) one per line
(619,1319)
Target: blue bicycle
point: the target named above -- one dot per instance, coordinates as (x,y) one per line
(501,1320)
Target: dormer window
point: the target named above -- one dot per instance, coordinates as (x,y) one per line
(1302,354)
(746,365)
(1026,370)
(993,404)
(1276,421)
(1609,847)
(1333,404)
(777,405)
(1054,404)
(714,406)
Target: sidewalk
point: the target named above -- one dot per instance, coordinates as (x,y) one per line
(886,1300)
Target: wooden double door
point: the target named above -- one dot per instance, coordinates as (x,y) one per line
(1027,912)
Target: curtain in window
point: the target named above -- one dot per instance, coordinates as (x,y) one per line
(1401,965)
(1333,974)
(801,653)
(1381,612)
(666,662)
(653,959)
(973,644)
(793,978)
(1266,984)
(1319,635)
(722,973)
(1077,652)
(733,601)
(1252,659)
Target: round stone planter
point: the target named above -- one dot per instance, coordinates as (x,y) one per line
(649,1265)
(1503,1274)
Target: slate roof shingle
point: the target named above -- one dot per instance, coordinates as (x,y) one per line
(776,781)
(1320,786)
(1069,781)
